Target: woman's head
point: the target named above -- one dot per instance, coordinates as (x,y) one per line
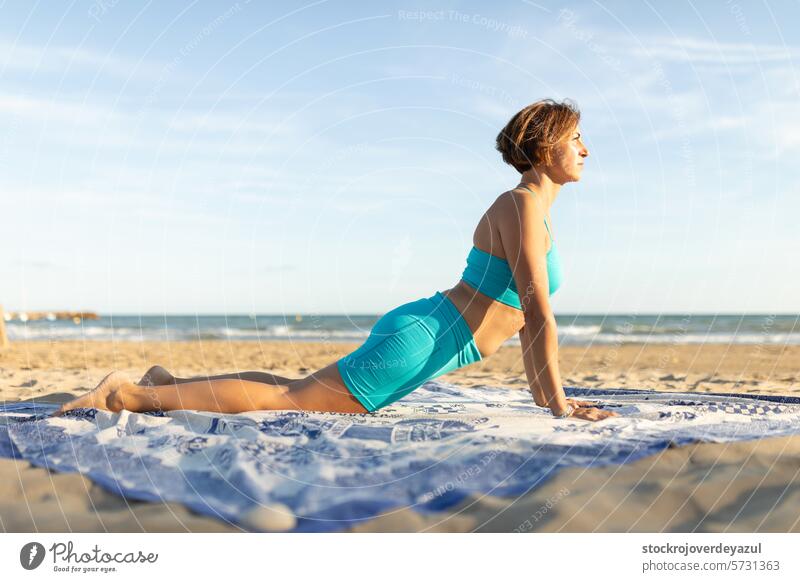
(542,135)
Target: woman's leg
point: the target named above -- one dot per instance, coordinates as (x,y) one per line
(159,376)
(117,392)
(227,395)
(323,391)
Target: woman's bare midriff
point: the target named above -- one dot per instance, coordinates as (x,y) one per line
(490,321)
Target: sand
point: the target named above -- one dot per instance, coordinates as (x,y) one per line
(751,486)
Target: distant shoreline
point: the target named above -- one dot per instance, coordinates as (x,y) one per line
(573,329)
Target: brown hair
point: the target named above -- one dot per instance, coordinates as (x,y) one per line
(528,138)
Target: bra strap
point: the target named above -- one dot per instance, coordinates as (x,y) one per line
(548,231)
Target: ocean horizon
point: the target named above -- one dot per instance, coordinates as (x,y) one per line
(573,329)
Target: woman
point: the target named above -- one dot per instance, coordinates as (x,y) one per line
(511,271)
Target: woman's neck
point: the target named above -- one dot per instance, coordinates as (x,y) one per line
(541,183)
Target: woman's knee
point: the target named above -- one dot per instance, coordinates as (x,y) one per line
(324,391)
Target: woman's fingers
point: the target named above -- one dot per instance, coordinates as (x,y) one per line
(580,403)
(584,414)
(592,414)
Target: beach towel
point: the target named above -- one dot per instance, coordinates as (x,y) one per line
(428,451)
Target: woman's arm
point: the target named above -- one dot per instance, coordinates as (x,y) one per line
(523,235)
(540,356)
(535,386)
(541,368)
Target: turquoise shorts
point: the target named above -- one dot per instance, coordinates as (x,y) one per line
(407,347)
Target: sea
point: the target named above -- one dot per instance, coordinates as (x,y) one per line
(576,329)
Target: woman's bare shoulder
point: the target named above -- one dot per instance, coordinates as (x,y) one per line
(513,204)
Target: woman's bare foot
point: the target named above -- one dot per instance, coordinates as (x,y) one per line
(107,396)
(157,376)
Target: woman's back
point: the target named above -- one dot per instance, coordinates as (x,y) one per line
(492,322)
(494,276)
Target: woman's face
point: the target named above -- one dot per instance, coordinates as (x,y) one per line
(568,156)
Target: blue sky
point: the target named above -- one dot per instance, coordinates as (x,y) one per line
(335,157)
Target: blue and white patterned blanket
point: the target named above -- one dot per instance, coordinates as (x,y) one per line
(427,451)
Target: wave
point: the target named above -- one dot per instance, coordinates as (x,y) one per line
(568,334)
(88,333)
(579,330)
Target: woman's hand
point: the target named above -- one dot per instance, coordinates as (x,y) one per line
(580,403)
(592,414)
(575,403)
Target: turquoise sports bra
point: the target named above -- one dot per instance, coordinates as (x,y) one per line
(492,275)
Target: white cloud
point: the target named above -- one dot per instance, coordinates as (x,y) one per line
(233,123)
(216,133)
(701,125)
(702,89)
(695,50)
(58,59)
(54,110)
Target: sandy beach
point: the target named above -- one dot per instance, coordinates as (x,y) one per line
(749,486)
